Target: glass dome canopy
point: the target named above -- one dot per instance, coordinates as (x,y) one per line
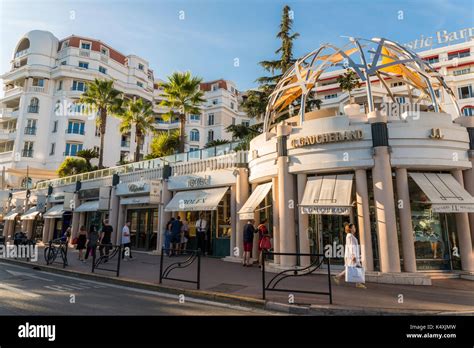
(377,57)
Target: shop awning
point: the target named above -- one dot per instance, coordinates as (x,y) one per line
(328,195)
(87,206)
(55,212)
(257,196)
(196,200)
(11,215)
(445,193)
(30,214)
(135,200)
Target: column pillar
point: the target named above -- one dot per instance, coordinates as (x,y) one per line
(166,196)
(29,227)
(468,176)
(303,221)
(256,223)
(75,218)
(464,233)
(363,220)
(383,196)
(276,220)
(286,198)
(113,216)
(242,194)
(46,224)
(406,226)
(233,219)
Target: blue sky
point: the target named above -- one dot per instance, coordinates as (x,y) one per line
(215,32)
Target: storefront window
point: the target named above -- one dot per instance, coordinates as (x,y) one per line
(436,243)
(224,229)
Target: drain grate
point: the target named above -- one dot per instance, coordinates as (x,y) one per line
(227,288)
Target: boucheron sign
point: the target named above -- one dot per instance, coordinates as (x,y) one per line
(333,137)
(441,37)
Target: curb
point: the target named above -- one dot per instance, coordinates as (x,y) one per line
(238,300)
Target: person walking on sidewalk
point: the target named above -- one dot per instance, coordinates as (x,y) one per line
(105,239)
(167,239)
(92,239)
(176,227)
(249,231)
(81,242)
(263,241)
(201,229)
(126,244)
(351,254)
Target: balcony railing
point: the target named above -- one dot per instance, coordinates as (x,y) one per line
(144,165)
(36,89)
(27,153)
(84,53)
(30,130)
(75,131)
(33,109)
(21,53)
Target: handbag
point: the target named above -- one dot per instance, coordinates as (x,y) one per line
(355,274)
(74,241)
(265,243)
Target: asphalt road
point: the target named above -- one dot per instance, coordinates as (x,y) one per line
(25,291)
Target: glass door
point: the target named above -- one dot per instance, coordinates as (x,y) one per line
(143,228)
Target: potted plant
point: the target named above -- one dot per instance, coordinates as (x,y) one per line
(348,82)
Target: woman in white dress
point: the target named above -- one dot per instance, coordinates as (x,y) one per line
(351,255)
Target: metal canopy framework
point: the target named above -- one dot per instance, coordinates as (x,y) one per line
(377,57)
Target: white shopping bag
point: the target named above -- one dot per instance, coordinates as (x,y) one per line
(355,274)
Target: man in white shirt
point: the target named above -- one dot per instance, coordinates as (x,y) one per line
(201,229)
(126,245)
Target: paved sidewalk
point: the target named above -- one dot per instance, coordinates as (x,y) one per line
(450,295)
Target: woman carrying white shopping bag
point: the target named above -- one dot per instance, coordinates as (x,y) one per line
(353,270)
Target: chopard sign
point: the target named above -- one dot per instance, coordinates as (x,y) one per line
(324,138)
(137,187)
(198,182)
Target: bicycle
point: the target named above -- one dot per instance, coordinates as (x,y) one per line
(51,252)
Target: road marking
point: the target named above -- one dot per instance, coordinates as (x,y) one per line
(160,294)
(19,291)
(16,274)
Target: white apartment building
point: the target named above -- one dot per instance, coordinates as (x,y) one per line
(41,122)
(221,109)
(454,62)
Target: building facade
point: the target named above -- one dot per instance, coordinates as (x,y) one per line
(42,122)
(405,180)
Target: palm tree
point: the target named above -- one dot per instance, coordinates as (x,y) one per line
(244,134)
(137,114)
(88,155)
(216,142)
(164,144)
(72,166)
(102,95)
(182,93)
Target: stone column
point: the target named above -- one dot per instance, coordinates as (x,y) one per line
(303,221)
(114,215)
(383,196)
(286,198)
(29,227)
(464,233)
(406,226)
(166,196)
(363,220)
(276,220)
(233,219)
(75,218)
(242,194)
(469,186)
(256,223)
